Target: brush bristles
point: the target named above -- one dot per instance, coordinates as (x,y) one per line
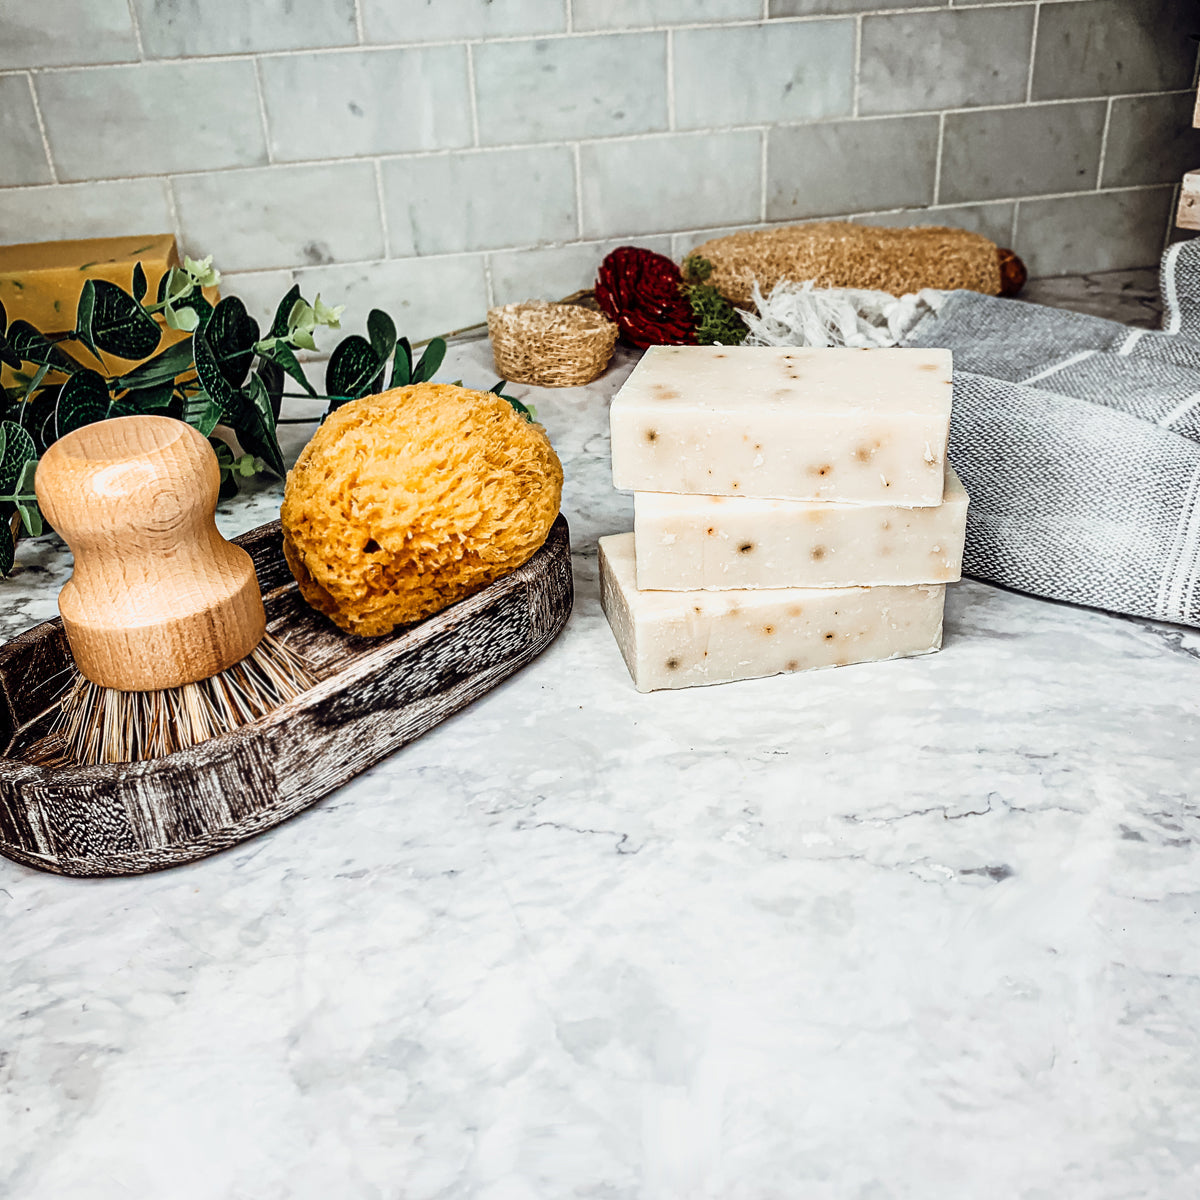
(102,725)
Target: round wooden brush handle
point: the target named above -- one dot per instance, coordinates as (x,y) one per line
(158,598)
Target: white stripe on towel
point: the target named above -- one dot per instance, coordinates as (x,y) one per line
(1058,366)
(1135,336)
(1181,562)
(1181,409)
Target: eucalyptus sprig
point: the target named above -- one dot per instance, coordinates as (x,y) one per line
(224,377)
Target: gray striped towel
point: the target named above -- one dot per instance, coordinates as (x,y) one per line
(1078,440)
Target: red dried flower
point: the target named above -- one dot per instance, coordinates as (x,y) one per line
(640,291)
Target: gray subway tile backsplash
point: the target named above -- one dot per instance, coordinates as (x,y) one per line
(56,34)
(1151,139)
(1106,47)
(802,70)
(585,87)
(22,155)
(629,14)
(810,8)
(186,116)
(105,208)
(186,28)
(656,184)
(481,200)
(424,296)
(447,20)
(1001,152)
(282,216)
(1106,231)
(850,166)
(953,59)
(362,102)
(490,144)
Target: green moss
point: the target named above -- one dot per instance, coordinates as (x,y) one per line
(717,321)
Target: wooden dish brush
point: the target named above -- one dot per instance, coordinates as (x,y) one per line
(164,617)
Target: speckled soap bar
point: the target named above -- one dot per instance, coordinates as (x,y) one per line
(682,639)
(689,542)
(857,426)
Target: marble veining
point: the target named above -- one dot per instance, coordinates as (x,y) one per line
(916,929)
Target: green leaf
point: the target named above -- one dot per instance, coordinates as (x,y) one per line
(26,499)
(36,381)
(203,273)
(7,354)
(32,346)
(110,319)
(256,427)
(271,374)
(202,412)
(353,369)
(213,379)
(8,550)
(183,319)
(281,353)
(162,368)
(139,283)
(381,330)
(16,449)
(401,364)
(84,399)
(523,409)
(427,367)
(279,326)
(145,400)
(231,333)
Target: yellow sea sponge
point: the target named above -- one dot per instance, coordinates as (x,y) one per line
(407,501)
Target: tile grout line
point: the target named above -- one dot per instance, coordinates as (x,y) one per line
(1171,211)
(137,32)
(762,173)
(857,63)
(578,189)
(358,22)
(602,140)
(1037,16)
(383,220)
(41,124)
(489,286)
(471,96)
(173,209)
(937,162)
(570,15)
(262,115)
(1103,145)
(598,241)
(670,81)
(548,36)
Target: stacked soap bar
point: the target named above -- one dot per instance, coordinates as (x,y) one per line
(794,508)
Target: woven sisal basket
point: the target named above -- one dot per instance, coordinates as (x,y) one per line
(550,345)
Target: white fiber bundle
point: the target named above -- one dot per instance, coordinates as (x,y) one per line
(799,314)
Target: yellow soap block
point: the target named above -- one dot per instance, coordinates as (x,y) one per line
(40,283)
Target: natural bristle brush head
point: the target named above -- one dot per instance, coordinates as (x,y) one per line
(164,617)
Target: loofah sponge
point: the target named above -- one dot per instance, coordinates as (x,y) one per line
(407,501)
(840,254)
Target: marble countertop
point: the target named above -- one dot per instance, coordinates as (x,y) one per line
(917,929)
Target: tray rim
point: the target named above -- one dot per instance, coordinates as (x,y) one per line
(534,577)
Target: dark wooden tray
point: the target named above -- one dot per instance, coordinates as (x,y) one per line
(374,696)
